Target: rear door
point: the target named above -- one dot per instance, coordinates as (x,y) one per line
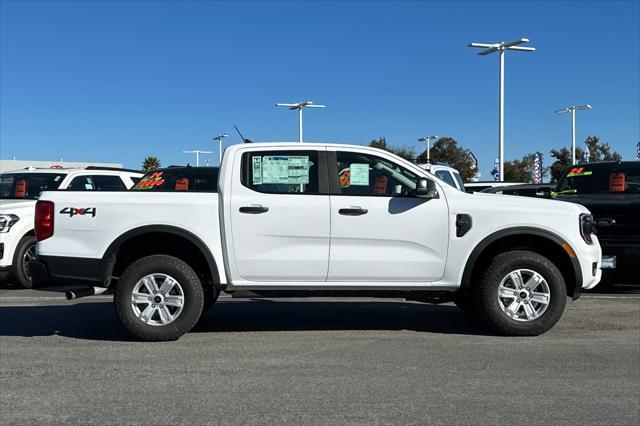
(280,216)
(381,232)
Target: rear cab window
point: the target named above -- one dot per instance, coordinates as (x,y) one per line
(600,178)
(179,179)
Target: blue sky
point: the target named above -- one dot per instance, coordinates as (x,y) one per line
(117,81)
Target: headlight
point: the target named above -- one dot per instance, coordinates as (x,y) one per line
(587,227)
(7,221)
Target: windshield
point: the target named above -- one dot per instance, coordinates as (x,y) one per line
(190,179)
(600,178)
(19,186)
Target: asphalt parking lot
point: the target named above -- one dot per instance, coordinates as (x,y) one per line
(318,361)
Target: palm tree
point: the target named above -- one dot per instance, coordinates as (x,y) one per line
(151,163)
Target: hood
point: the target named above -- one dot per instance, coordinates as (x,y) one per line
(515,202)
(16,206)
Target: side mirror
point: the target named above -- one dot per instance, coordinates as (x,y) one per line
(426,188)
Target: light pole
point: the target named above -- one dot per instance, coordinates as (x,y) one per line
(572,110)
(219,139)
(427,139)
(197,152)
(299,106)
(501,48)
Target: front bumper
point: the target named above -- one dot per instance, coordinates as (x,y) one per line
(54,271)
(590,264)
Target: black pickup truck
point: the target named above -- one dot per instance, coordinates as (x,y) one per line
(611,191)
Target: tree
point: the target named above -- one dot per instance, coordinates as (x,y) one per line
(600,151)
(407,153)
(521,170)
(563,160)
(448,151)
(151,163)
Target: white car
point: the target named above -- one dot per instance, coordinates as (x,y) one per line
(445,173)
(297,217)
(18,193)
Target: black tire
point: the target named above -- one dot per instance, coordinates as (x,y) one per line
(486,294)
(189,282)
(17,270)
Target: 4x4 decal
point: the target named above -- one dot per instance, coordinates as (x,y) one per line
(73,211)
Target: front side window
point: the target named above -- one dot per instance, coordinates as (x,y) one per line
(281,172)
(82,183)
(364,174)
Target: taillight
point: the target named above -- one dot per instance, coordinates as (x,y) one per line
(43,223)
(587,227)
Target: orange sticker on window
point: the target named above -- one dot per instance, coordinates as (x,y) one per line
(617,182)
(21,188)
(380,186)
(182,184)
(345,178)
(154,179)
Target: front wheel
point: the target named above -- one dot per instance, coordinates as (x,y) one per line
(25,253)
(521,293)
(159,298)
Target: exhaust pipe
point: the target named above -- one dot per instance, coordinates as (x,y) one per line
(84,292)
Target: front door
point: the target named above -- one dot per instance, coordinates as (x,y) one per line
(280,217)
(381,232)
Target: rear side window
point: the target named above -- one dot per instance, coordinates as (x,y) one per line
(281,172)
(28,185)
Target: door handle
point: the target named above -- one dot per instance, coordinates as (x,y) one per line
(353,211)
(254,209)
(605,221)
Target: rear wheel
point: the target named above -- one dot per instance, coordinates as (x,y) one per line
(521,293)
(159,298)
(25,253)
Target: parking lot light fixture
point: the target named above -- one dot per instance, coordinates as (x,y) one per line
(197,152)
(572,110)
(219,139)
(501,48)
(427,139)
(299,106)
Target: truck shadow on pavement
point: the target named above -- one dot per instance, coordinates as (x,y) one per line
(98,321)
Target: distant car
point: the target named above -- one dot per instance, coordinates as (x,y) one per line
(19,191)
(472,187)
(526,190)
(611,191)
(445,173)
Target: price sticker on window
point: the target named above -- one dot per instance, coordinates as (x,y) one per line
(617,182)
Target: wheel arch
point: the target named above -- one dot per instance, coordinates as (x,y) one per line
(178,242)
(541,241)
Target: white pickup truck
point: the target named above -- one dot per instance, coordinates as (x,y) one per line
(314,217)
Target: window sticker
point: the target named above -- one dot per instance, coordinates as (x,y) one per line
(359,174)
(345,178)
(579,171)
(285,169)
(21,188)
(257,170)
(154,179)
(182,184)
(617,182)
(380,186)
(57,178)
(88,186)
